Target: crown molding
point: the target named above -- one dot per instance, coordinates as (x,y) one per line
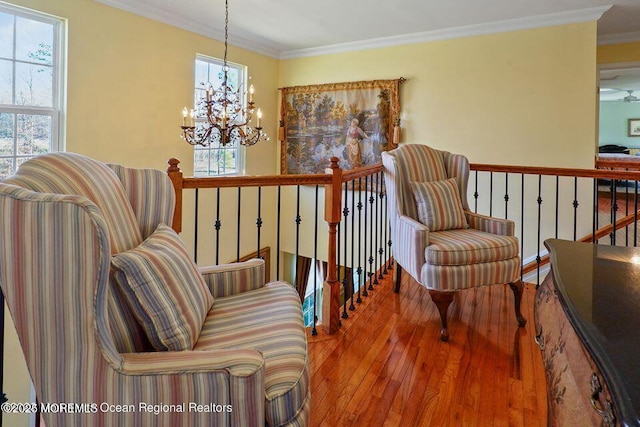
(619,38)
(160,15)
(538,21)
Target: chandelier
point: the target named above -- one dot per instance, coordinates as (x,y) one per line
(219,116)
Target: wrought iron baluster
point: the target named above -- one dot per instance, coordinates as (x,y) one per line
(521,220)
(364,284)
(475,194)
(278,237)
(635,216)
(314,331)
(386,241)
(490,193)
(374,231)
(380,249)
(359,271)
(626,210)
(259,219)
(506,195)
(538,259)
(217,225)
(195,227)
(298,220)
(614,212)
(594,215)
(557,204)
(371,239)
(353,235)
(345,213)
(575,208)
(238,227)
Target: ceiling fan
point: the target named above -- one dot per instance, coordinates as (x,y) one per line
(631,97)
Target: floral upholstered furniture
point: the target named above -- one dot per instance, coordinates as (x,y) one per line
(110,310)
(436,239)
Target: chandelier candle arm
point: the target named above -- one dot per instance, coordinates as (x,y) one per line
(219,116)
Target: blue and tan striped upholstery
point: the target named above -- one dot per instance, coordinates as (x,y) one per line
(439,204)
(486,253)
(56,247)
(165,290)
(237,321)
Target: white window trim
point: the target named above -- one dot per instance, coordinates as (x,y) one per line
(241,149)
(57,111)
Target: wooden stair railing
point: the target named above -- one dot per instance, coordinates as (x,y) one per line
(332,180)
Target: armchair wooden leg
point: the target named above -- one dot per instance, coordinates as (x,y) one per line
(517,288)
(397,277)
(442,300)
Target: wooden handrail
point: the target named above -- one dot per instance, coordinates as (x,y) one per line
(256,181)
(361,172)
(617,164)
(580,173)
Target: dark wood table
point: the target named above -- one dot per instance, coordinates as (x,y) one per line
(588,327)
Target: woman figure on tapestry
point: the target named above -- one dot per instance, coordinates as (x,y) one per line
(354,134)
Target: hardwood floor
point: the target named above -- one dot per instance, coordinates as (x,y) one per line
(387,366)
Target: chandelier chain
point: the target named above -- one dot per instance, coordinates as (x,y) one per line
(220,116)
(226,31)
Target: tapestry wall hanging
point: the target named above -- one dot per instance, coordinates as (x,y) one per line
(354,122)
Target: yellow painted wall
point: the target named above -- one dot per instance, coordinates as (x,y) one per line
(622,52)
(522,98)
(128,79)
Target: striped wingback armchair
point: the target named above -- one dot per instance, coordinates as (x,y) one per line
(113,316)
(436,239)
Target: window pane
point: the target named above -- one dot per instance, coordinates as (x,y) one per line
(6,35)
(6,134)
(201,162)
(202,74)
(34,85)
(34,41)
(6,82)
(215,159)
(6,168)
(34,134)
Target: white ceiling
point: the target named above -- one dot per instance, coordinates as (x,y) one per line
(615,83)
(289,28)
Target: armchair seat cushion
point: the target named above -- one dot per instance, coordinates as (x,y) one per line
(469,246)
(267,319)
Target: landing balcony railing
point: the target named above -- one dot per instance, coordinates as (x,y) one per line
(352,247)
(587,205)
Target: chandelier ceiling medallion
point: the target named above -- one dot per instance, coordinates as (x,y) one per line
(219,116)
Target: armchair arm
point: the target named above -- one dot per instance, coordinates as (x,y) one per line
(412,238)
(240,363)
(229,279)
(503,227)
(234,377)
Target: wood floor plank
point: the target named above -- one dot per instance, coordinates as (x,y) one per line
(388,367)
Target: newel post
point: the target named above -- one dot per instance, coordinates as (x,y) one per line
(331,286)
(175,175)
